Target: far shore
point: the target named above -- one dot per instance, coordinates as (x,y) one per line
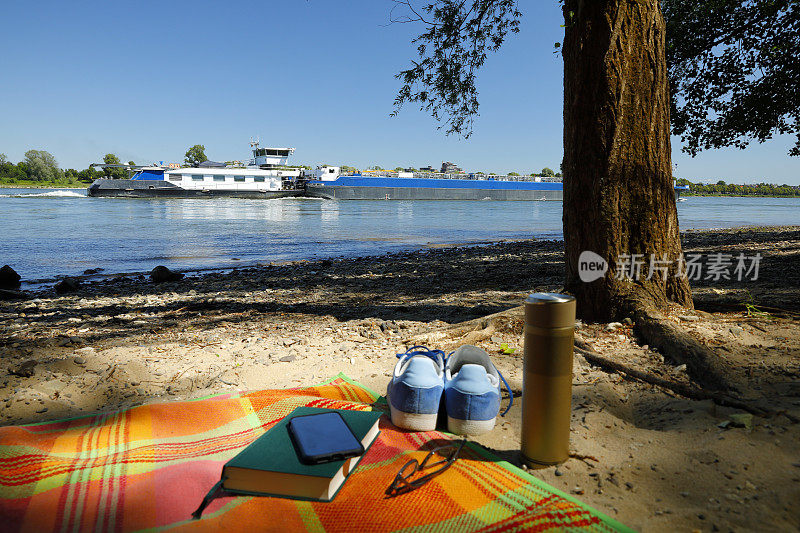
(85,186)
(687,195)
(71,186)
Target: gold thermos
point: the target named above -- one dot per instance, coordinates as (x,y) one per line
(547,378)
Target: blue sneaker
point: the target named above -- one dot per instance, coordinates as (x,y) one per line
(416,389)
(471,391)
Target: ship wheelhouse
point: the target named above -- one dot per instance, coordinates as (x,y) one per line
(270,157)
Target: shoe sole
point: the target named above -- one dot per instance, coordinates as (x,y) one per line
(413,421)
(469,427)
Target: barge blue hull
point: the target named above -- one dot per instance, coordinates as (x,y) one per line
(386,188)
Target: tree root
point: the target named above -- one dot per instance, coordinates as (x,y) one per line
(687,391)
(584,458)
(702,364)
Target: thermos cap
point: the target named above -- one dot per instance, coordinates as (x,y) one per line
(548,298)
(550,310)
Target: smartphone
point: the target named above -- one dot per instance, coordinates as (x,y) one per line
(322,438)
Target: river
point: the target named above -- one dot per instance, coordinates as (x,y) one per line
(49,233)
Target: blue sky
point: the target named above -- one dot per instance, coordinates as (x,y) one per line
(146,80)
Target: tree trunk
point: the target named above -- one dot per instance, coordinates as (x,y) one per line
(618,189)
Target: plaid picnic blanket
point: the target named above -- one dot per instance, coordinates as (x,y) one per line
(150,466)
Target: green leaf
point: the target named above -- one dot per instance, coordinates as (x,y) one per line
(742,420)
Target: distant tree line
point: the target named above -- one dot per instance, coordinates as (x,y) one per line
(41,168)
(721,188)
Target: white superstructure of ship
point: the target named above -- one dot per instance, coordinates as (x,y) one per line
(265,176)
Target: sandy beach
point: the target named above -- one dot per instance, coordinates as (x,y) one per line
(650,458)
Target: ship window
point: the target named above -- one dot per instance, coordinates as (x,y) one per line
(259,179)
(238,178)
(271,152)
(219,178)
(175,177)
(197,177)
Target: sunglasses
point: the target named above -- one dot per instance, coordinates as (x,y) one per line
(437,461)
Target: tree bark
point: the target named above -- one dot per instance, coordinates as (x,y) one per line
(618,189)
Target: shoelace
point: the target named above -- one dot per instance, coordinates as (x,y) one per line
(437,355)
(424,350)
(510,394)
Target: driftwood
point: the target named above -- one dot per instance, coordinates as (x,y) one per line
(469,332)
(484,321)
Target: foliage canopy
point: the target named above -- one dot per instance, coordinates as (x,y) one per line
(454,46)
(734,65)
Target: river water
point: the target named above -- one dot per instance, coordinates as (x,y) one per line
(49,233)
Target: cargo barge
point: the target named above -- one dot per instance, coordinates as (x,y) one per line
(267,176)
(327,182)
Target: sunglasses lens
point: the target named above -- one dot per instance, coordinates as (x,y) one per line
(447,453)
(408,469)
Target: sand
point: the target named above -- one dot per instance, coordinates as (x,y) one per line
(656,461)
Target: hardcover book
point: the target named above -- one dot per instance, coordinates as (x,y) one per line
(270,465)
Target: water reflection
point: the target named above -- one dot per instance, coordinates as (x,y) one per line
(275,210)
(329,212)
(405,210)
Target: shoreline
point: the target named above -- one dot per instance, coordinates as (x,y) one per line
(104,276)
(203,271)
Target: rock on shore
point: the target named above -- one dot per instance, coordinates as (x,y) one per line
(161,274)
(9,279)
